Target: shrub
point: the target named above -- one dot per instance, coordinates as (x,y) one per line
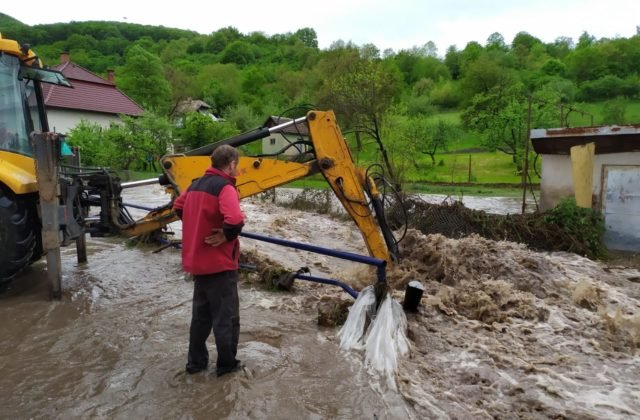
(583,224)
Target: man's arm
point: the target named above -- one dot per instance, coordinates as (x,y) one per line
(229,204)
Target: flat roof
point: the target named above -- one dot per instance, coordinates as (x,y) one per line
(608,139)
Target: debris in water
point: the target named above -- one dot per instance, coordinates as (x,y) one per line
(333,311)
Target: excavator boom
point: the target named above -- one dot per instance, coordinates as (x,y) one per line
(330,156)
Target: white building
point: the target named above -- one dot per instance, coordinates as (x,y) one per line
(615,185)
(92,99)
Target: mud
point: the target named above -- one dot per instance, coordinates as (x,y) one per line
(502,332)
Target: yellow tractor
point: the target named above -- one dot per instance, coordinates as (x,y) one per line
(45,204)
(21,113)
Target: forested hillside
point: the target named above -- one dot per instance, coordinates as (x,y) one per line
(393,98)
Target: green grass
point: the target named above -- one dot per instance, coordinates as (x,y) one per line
(451,117)
(464,190)
(486,168)
(632,113)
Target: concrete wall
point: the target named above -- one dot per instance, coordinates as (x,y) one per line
(63,120)
(557,178)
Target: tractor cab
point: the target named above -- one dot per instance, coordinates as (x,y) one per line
(21,103)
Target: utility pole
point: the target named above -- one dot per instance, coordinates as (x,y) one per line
(525,168)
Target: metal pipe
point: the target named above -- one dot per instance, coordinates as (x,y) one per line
(314,279)
(138,206)
(364,259)
(140,183)
(280,127)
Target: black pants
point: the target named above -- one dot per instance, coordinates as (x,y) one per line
(215,306)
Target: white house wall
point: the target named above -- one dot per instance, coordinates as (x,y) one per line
(62,120)
(279,142)
(557,178)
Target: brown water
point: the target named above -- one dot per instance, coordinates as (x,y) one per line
(503,332)
(115,345)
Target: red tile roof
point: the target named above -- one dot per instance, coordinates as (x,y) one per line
(90,93)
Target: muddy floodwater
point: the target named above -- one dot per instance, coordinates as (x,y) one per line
(502,332)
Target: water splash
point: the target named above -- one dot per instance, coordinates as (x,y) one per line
(382,335)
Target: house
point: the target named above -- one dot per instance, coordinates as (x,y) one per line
(603,165)
(92,98)
(192,105)
(287,141)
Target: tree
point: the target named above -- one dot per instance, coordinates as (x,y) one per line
(521,47)
(238,52)
(363,94)
(200,129)
(587,63)
(560,47)
(495,41)
(150,136)
(243,117)
(184,86)
(308,37)
(430,49)
(94,149)
(585,40)
(484,74)
(453,61)
(137,142)
(143,79)
(501,116)
(613,112)
(216,42)
(220,86)
(369,52)
(426,137)
(471,52)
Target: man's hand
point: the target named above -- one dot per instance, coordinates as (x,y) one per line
(216,238)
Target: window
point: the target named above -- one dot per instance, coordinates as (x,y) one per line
(272,141)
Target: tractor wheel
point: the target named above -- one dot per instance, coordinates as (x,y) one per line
(18,235)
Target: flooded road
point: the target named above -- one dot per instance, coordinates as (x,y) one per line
(503,332)
(115,345)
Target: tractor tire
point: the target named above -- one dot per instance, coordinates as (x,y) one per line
(18,234)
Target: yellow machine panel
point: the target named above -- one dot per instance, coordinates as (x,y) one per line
(18,173)
(255,175)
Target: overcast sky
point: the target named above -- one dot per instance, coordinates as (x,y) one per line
(397,24)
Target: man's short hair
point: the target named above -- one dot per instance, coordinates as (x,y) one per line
(223,155)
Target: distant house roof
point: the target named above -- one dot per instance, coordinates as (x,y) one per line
(192,105)
(301,129)
(608,139)
(90,93)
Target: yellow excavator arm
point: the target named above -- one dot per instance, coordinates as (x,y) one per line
(331,157)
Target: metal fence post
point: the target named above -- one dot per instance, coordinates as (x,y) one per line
(45,146)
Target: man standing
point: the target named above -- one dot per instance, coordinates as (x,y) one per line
(211,221)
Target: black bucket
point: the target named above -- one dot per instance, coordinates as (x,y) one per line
(412,296)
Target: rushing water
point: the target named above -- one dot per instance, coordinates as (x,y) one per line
(115,345)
